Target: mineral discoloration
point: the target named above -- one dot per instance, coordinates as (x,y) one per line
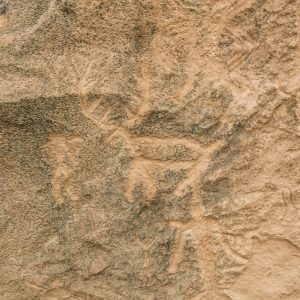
(149,150)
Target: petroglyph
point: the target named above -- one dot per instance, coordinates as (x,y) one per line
(63,156)
(149,149)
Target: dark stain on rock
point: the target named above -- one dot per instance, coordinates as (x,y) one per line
(3,8)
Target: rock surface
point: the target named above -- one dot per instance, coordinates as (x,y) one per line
(149,149)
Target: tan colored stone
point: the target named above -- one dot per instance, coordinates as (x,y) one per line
(149,150)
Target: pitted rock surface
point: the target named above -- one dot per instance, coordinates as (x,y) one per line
(150,150)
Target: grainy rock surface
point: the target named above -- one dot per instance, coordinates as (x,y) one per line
(149,150)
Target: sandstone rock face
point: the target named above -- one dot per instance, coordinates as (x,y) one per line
(149,150)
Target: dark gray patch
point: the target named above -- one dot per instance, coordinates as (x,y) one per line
(3,8)
(142,36)
(67,9)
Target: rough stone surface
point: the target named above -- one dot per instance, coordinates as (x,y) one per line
(149,150)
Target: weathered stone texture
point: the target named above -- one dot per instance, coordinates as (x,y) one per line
(149,150)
